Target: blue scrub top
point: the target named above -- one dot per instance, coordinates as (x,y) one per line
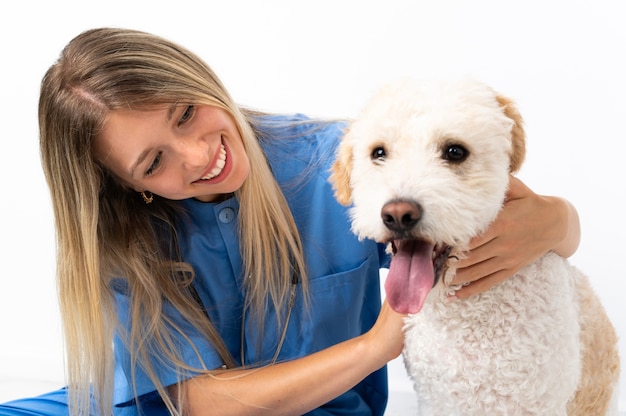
(344,288)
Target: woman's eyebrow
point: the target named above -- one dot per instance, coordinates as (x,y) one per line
(146,152)
(170,112)
(139,160)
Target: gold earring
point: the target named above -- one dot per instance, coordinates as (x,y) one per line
(147,199)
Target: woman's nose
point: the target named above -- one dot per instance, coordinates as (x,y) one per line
(193,152)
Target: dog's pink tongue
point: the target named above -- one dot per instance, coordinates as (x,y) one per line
(411,276)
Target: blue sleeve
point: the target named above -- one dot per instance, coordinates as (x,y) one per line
(132,381)
(49,404)
(55,404)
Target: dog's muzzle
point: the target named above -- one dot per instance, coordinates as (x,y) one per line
(401,216)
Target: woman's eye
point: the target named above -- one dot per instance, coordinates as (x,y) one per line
(187,114)
(154,165)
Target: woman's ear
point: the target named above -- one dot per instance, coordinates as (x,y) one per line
(340,173)
(518,135)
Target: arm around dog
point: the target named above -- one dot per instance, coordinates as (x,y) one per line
(297,386)
(528,226)
(571,227)
(552,222)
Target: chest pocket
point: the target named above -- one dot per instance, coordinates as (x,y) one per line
(342,305)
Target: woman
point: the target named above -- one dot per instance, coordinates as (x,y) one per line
(203,240)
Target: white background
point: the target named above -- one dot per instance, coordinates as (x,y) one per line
(561,61)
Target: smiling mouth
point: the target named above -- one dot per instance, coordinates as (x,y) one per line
(219,165)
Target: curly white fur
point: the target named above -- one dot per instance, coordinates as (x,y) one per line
(513,350)
(537,344)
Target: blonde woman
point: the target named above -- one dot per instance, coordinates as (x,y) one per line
(204,267)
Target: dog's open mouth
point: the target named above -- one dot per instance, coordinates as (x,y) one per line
(415,268)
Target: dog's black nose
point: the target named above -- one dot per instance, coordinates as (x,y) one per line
(401,215)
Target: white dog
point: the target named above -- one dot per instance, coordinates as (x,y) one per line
(426,166)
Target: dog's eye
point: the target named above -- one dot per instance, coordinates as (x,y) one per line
(455,153)
(379,154)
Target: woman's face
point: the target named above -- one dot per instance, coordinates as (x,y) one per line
(179,152)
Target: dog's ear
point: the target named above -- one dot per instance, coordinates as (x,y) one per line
(518,135)
(340,173)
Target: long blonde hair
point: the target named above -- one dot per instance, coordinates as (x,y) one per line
(105,230)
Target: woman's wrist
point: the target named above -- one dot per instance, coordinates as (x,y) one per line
(570,227)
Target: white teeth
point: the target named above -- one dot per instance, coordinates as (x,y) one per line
(219,165)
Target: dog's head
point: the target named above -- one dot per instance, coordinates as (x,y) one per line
(425,166)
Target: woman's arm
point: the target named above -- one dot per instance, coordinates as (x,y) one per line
(298,386)
(528,226)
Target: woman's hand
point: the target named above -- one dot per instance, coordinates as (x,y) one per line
(528,226)
(387,334)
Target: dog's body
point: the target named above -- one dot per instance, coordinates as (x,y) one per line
(426,166)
